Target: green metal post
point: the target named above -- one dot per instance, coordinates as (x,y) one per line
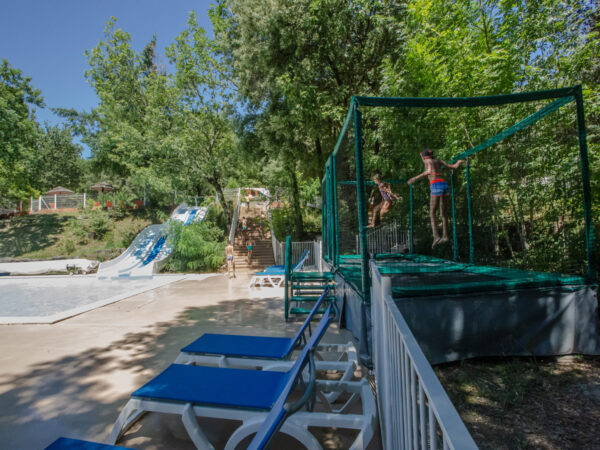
(334,215)
(332,207)
(327,211)
(288,272)
(362,210)
(412,241)
(454,237)
(585,181)
(470,214)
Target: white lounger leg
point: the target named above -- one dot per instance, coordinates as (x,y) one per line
(253,425)
(191,425)
(129,415)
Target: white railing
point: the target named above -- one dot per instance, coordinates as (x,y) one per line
(313,261)
(386,239)
(414,410)
(236,216)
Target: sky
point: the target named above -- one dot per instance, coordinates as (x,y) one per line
(47,40)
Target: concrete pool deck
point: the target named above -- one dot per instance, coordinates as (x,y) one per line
(73,377)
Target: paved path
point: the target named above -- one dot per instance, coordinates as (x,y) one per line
(72,378)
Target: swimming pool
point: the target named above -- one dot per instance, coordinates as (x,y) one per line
(48,299)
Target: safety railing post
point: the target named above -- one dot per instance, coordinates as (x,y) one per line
(411,237)
(470,214)
(585,182)
(362,210)
(454,237)
(288,272)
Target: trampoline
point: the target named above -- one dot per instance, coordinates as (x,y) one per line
(500,275)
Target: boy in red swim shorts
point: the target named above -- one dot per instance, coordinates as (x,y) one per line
(439,192)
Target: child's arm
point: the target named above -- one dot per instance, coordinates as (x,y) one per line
(388,189)
(421,175)
(452,166)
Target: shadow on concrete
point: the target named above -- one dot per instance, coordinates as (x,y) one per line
(81,395)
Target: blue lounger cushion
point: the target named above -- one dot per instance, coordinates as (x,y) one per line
(63,443)
(275,273)
(216,386)
(242,346)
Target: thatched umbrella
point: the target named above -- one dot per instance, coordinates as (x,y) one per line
(59,190)
(103,186)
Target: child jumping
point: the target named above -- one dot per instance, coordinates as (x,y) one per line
(439,192)
(387,197)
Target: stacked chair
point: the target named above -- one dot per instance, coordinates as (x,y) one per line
(252,379)
(274,276)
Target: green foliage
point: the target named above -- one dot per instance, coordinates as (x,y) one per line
(99,223)
(196,247)
(57,161)
(18,131)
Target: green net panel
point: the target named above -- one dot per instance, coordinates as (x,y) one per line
(522,201)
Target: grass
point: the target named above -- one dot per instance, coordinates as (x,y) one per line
(88,234)
(549,403)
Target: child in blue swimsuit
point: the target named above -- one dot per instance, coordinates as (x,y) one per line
(439,192)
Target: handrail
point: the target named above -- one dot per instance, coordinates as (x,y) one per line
(236,216)
(414,409)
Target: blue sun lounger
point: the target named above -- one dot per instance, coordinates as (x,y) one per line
(63,443)
(268,352)
(249,396)
(274,275)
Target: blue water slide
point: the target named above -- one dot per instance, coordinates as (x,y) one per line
(155,250)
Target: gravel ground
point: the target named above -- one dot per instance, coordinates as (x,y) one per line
(510,403)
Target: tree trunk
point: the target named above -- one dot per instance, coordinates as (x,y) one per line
(296,208)
(221,197)
(319,151)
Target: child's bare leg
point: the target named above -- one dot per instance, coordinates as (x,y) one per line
(376,209)
(444,212)
(433,205)
(384,209)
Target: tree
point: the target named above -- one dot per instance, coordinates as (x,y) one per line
(202,144)
(298,64)
(18,130)
(58,160)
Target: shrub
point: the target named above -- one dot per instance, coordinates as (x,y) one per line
(99,224)
(197,247)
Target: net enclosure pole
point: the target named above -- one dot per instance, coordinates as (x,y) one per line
(470,213)
(288,272)
(585,181)
(362,211)
(454,237)
(334,216)
(327,211)
(410,218)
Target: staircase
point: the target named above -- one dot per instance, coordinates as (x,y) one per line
(262,253)
(306,288)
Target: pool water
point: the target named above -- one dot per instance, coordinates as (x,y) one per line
(45,299)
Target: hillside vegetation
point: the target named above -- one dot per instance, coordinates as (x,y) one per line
(88,234)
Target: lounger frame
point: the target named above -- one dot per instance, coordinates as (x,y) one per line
(296,425)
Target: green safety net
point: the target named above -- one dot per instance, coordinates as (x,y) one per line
(522,200)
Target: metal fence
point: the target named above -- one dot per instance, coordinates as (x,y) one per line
(50,202)
(313,260)
(414,410)
(387,238)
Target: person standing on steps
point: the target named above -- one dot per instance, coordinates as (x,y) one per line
(439,192)
(244,229)
(229,257)
(250,243)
